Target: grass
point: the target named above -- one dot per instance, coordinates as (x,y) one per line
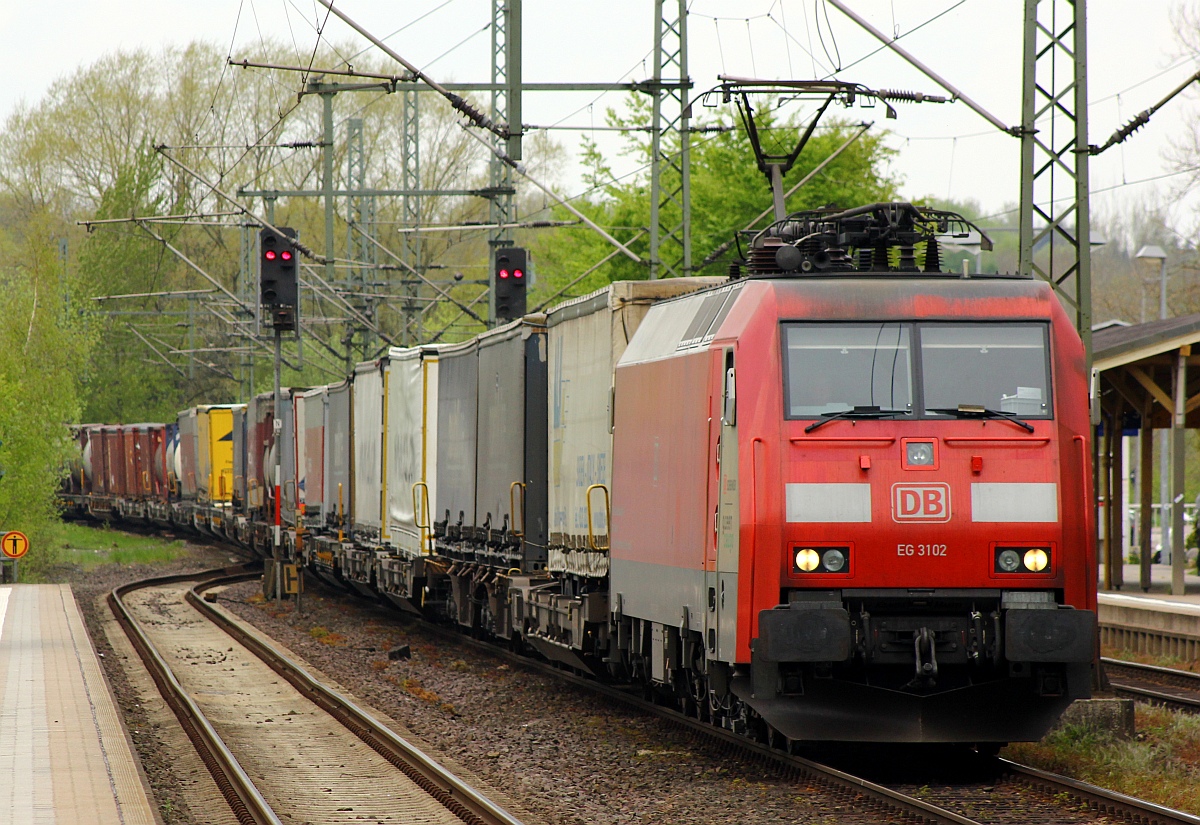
(1162,764)
(1173,662)
(327,637)
(88,547)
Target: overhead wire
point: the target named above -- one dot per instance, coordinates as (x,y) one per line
(316,46)
(1100,190)
(876,51)
(837,64)
(458,45)
(808,51)
(407,25)
(787,46)
(291,31)
(221,78)
(720,46)
(750,43)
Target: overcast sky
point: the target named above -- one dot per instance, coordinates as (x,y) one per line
(944,150)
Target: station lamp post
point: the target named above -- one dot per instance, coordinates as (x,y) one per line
(1146,256)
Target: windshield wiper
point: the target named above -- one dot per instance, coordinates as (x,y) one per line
(855,412)
(976,411)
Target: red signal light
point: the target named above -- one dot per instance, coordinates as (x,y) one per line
(504,273)
(285,255)
(517,273)
(270,254)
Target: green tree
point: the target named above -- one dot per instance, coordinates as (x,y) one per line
(42,344)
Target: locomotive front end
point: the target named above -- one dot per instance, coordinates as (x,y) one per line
(928,534)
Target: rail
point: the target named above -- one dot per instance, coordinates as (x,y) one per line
(1113,804)
(1159,677)
(1119,806)
(247,803)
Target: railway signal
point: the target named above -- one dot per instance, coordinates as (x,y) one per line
(510,278)
(279,288)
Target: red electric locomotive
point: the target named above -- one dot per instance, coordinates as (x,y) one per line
(851,492)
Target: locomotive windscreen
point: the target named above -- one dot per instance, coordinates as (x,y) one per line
(1003,367)
(837,367)
(868,368)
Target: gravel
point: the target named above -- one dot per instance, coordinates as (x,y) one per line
(551,752)
(169,781)
(564,755)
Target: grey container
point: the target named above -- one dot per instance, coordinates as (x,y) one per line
(239,458)
(338,442)
(188,453)
(368,448)
(457,409)
(586,338)
(288,457)
(511,450)
(310,441)
(409,430)
(259,439)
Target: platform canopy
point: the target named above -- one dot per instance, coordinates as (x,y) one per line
(1147,379)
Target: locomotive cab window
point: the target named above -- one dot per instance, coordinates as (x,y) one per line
(833,368)
(1000,367)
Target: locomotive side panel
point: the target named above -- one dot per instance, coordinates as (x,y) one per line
(661,452)
(660,490)
(586,339)
(1075,456)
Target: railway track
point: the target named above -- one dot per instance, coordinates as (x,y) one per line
(1177,689)
(273,737)
(986,789)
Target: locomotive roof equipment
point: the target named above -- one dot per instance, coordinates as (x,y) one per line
(859,240)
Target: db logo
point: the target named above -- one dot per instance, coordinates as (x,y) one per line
(921,502)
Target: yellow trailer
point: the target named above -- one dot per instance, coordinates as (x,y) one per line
(214,476)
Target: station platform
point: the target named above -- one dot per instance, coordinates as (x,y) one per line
(64,754)
(1153,622)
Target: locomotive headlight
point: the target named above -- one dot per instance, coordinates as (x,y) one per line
(834,560)
(919,453)
(807,559)
(1009,561)
(1036,559)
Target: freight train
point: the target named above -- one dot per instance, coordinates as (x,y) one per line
(841,494)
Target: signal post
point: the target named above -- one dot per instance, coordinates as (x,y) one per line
(279,293)
(510,281)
